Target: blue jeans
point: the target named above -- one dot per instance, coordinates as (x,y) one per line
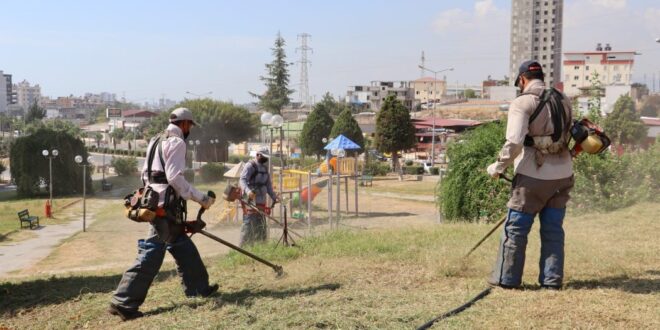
(135,282)
(510,262)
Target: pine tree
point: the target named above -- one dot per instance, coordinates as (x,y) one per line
(394,129)
(35,113)
(623,125)
(346,125)
(316,127)
(277,91)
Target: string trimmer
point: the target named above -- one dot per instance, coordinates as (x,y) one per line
(277,268)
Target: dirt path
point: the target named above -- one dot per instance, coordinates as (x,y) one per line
(110,240)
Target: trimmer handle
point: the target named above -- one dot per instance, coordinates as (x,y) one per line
(201,209)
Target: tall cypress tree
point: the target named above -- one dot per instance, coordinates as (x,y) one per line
(394,129)
(316,127)
(346,125)
(277,91)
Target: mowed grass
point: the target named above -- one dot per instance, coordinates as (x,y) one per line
(379,279)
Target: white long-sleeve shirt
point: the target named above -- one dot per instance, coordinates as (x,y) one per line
(174,155)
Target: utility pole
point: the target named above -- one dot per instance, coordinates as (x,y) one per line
(423,64)
(304,78)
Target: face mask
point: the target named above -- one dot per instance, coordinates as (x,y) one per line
(262,160)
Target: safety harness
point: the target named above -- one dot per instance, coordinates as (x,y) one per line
(177,206)
(557,142)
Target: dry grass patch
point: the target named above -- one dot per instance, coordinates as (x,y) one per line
(380,279)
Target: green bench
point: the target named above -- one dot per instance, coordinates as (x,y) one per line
(366,180)
(30,221)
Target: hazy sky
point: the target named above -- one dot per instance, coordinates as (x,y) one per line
(143,49)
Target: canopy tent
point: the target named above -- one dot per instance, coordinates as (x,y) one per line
(341,142)
(235,172)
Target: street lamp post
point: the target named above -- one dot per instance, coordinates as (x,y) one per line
(276,122)
(79,160)
(435,93)
(50,155)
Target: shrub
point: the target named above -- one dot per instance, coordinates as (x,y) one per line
(189,174)
(235,159)
(124,166)
(608,182)
(212,172)
(409,162)
(376,168)
(435,171)
(467,192)
(413,170)
(2,167)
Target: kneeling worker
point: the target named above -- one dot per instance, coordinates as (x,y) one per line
(256,183)
(163,172)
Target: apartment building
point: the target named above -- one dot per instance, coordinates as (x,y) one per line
(536,34)
(371,97)
(27,94)
(427,89)
(612,67)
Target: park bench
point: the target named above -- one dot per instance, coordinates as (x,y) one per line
(32,221)
(366,179)
(105,185)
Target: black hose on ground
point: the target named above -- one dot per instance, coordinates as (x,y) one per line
(457,310)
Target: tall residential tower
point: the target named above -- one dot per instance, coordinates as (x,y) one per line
(536,33)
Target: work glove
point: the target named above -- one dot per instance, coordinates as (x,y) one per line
(493,170)
(207,201)
(252,195)
(194,227)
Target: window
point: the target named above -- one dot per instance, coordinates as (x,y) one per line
(536,48)
(544,57)
(538,13)
(417,92)
(586,68)
(576,78)
(574,85)
(615,67)
(545,48)
(537,22)
(553,20)
(551,73)
(545,12)
(545,39)
(536,39)
(545,21)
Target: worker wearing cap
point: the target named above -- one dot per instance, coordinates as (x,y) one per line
(256,183)
(163,172)
(543,179)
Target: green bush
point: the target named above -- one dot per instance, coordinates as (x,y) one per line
(235,159)
(608,182)
(467,192)
(413,170)
(435,171)
(212,172)
(409,162)
(189,174)
(376,168)
(124,166)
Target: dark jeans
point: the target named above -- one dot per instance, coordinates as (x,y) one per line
(135,282)
(253,229)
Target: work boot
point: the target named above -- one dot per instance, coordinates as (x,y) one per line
(503,286)
(124,313)
(551,287)
(211,290)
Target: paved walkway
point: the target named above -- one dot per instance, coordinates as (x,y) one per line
(22,254)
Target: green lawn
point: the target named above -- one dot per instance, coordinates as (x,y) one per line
(379,279)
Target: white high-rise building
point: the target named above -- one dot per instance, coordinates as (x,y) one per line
(536,34)
(3,94)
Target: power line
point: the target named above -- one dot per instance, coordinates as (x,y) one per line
(304,78)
